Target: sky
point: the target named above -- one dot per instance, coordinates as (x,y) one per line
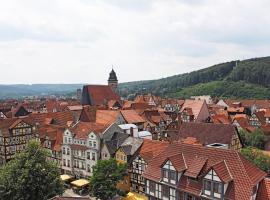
(78,41)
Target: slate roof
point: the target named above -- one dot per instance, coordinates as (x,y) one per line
(117,139)
(131,145)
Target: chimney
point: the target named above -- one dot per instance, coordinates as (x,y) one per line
(131,132)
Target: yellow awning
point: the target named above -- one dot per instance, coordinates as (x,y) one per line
(65,177)
(80,182)
(135,196)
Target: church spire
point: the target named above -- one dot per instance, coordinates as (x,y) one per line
(113,81)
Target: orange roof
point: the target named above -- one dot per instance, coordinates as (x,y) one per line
(194,105)
(243,173)
(131,116)
(236,110)
(264,190)
(83,129)
(221,119)
(151,148)
(98,94)
(267,113)
(106,116)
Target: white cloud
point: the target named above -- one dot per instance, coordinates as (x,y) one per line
(72,41)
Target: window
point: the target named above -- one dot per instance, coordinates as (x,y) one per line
(68,163)
(212,188)
(165,191)
(64,150)
(189,197)
(95,144)
(88,155)
(207,185)
(90,143)
(69,140)
(68,151)
(88,168)
(93,156)
(64,162)
(173,175)
(152,186)
(217,188)
(165,174)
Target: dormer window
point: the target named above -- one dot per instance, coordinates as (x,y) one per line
(169,174)
(212,185)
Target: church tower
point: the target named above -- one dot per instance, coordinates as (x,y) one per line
(113,81)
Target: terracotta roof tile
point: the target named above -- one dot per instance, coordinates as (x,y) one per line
(99,94)
(132,116)
(264,190)
(194,105)
(244,174)
(83,129)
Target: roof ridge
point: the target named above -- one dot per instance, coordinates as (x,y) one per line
(228,169)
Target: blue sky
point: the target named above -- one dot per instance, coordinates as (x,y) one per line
(77,41)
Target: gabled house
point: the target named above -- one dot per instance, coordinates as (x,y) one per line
(208,134)
(257,119)
(81,148)
(51,138)
(148,150)
(194,111)
(192,172)
(14,136)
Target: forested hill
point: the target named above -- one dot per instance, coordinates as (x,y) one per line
(236,79)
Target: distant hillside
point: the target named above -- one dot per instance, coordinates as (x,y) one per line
(21,90)
(220,80)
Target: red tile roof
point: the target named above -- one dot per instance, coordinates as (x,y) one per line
(194,105)
(83,129)
(132,116)
(100,94)
(205,133)
(151,148)
(264,190)
(58,118)
(107,116)
(244,174)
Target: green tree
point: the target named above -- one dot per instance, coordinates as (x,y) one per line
(255,139)
(106,175)
(257,157)
(30,176)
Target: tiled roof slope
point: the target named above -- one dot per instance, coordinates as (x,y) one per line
(194,105)
(132,116)
(83,129)
(244,174)
(205,133)
(98,94)
(264,190)
(151,148)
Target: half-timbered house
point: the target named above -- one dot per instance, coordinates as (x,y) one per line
(14,135)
